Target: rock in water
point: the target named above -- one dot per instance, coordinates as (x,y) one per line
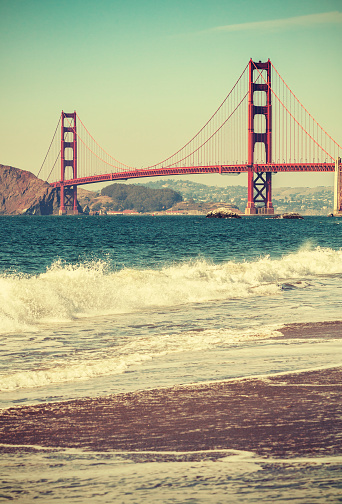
(21,192)
(223,213)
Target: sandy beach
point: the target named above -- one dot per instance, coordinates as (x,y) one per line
(288,415)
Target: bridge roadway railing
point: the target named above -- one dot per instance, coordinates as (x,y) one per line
(184,170)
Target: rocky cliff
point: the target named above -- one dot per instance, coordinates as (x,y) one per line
(21,192)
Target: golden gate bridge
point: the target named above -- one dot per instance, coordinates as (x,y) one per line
(260,128)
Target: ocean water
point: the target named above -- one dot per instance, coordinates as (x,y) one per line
(91,306)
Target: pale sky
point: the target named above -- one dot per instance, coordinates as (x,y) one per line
(144,76)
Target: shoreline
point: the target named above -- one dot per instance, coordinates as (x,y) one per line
(288,415)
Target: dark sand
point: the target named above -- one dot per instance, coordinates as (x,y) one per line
(317,330)
(285,416)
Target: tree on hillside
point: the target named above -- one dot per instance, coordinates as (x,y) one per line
(140,198)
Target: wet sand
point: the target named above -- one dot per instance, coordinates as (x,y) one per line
(295,414)
(317,330)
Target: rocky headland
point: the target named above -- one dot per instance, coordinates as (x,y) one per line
(22,193)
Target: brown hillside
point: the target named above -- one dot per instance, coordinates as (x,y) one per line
(21,192)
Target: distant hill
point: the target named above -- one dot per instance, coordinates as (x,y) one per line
(305,200)
(92,201)
(21,192)
(200,198)
(139,198)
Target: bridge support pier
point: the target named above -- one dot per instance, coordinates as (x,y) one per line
(250,208)
(68,194)
(259,200)
(338,188)
(68,200)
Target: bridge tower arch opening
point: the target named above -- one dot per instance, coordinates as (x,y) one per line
(259,196)
(68,194)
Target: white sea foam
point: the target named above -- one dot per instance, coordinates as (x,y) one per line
(65,292)
(135,353)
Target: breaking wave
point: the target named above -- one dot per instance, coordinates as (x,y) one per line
(65,292)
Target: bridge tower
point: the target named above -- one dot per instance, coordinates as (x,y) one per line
(259,183)
(68,194)
(338,188)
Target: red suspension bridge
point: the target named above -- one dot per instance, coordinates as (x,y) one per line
(260,128)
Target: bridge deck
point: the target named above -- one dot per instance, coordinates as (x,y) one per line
(184,170)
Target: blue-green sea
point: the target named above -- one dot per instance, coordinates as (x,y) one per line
(91,306)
